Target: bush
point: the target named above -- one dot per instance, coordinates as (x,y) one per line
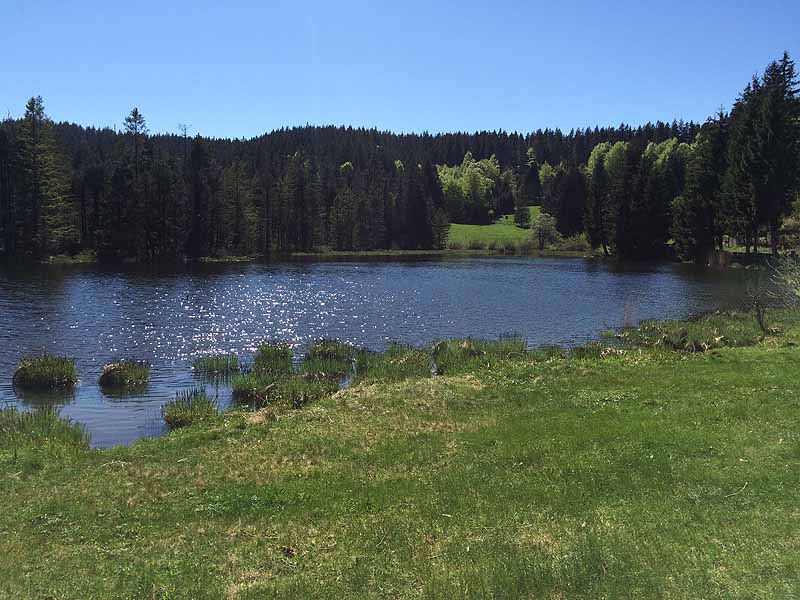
(455,246)
(46,372)
(39,427)
(125,374)
(575,243)
(476,245)
(509,247)
(210,365)
(189,407)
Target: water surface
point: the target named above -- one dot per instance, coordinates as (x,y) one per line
(169,315)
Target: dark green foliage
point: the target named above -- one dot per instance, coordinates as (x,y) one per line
(125,374)
(39,427)
(46,372)
(189,407)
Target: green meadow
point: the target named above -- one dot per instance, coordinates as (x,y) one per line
(661,462)
(501,231)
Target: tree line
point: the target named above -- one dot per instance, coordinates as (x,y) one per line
(636,192)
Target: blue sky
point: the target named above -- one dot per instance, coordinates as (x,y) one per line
(238,69)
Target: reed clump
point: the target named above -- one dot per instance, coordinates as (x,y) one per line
(125,374)
(39,427)
(463,355)
(189,407)
(273,358)
(398,362)
(216,365)
(46,372)
(328,359)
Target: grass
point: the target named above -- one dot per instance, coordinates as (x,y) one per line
(125,374)
(216,365)
(188,408)
(328,359)
(39,427)
(460,356)
(273,359)
(625,470)
(500,232)
(45,372)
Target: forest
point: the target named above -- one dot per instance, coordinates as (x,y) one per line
(678,190)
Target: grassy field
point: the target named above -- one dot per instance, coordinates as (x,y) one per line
(624,469)
(499,232)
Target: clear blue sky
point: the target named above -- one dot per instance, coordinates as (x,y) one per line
(233,69)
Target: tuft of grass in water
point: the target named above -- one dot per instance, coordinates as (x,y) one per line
(125,374)
(189,407)
(39,427)
(46,372)
(273,359)
(463,355)
(252,387)
(398,362)
(300,390)
(328,359)
(211,365)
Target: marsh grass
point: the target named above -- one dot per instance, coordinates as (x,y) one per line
(125,374)
(715,330)
(46,372)
(38,427)
(216,365)
(399,361)
(328,359)
(188,408)
(463,355)
(273,358)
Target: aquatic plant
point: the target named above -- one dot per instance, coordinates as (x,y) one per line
(209,365)
(273,358)
(125,374)
(46,372)
(43,426)
(715,330)
(461,355)
(399,361)
(188,407)
(328,359)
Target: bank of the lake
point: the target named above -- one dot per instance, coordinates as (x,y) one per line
(660,463)
(168,315)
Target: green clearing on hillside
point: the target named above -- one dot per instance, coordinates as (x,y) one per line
(622,470)
(500,231)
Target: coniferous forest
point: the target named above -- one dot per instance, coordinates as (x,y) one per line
(657,190)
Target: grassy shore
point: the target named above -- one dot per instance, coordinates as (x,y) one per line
(661,463)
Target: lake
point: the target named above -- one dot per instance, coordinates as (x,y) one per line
(169,315)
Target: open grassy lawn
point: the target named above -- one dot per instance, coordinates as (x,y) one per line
(499,232)
(632,472)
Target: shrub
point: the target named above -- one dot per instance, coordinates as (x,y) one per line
(509,247)
(273,359)
(46,372)
(210,365)
(463,355)
(125,374)
(189,407)
(455,245)
(35,428)
(575,243)
(476,245)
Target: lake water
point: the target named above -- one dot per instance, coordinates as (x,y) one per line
(168,316)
